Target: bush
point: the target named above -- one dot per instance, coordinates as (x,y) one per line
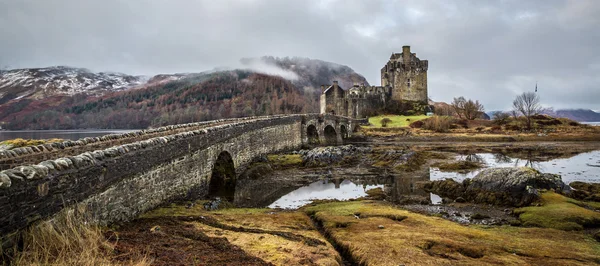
(501,118)
(513,127)
(463,123)
(479,129)
(496,128)
(437,123)
(574,124)
(385,121)
(416,124)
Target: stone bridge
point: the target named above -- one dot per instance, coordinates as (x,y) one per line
(117,177)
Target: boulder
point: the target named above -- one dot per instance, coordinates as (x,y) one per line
(512,186)
(323,156)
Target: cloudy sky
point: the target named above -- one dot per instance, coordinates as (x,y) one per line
(486,50)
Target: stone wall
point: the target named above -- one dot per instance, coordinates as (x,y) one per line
(118,183)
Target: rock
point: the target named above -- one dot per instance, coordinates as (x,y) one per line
(380,227)
(511,186)
(479,216)
(323,156)
(4,181)
(213,204)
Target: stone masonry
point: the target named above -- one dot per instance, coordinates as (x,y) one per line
(403,78)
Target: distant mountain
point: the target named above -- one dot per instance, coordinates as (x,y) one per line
(268,86)
(39,83)
(581,115)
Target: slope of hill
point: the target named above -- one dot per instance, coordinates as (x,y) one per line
(182,98)
(581,115)
(39,83)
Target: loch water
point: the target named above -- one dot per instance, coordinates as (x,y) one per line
(344,186)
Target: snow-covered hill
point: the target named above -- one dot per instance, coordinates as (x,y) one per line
(38,83)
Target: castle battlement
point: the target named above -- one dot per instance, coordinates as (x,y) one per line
(403,78)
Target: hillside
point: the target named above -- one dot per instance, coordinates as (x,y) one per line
(581,115)
(40,83)
(182,98)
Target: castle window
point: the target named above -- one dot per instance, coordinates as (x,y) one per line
(408,83)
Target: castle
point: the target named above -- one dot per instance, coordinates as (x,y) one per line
(403,78)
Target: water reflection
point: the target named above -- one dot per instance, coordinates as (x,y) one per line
(323,190)
(276,192)
(582,167)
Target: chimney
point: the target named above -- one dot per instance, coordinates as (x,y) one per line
(335,83)
(406,54)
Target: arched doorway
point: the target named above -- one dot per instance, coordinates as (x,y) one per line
(312,134)
(222,179)
(330,135)
(344,131)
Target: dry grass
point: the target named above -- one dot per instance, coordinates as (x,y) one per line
(67,239)
(267,245)
(427,240)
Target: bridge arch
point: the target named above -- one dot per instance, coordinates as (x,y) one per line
(330,135)
(222,179)
(313,134)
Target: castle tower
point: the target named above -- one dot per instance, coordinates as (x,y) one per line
(406,74)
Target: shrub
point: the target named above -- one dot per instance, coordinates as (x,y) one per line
(496,128)
(574,124)
(479,129)
(437,123)
(416,124)
(385,121)
(501,118)
(513,127)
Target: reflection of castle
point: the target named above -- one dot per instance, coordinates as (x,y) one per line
(403,78)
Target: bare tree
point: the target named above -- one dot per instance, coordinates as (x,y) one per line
(527,104)
(472,109)
(458,104)
(468,109)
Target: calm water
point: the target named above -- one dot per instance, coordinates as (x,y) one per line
(582,167)
(323,189)
(61,134)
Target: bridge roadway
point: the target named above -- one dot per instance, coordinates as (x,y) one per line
(117,177)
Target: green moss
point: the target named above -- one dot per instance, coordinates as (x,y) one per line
(19,142)
(558,212)
(376,193)
(385,235)
(285,160)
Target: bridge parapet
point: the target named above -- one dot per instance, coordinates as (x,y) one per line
(118,183)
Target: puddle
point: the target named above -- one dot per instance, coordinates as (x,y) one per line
(583,167)
(323,190)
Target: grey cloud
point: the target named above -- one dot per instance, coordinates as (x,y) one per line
(487,50)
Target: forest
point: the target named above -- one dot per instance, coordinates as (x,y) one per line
(198,97)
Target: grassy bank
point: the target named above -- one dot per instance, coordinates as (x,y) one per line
(384,235)
(395,120)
